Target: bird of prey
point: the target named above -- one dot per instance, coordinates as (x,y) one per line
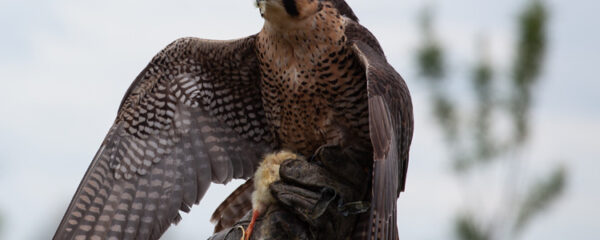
(207,111)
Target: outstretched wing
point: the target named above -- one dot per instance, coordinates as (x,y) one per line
(193,116)
(391,129)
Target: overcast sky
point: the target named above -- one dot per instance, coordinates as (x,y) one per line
(65,64)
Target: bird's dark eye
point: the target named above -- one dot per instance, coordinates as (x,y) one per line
(291,8)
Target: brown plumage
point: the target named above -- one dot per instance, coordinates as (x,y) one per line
(235,206)
(207,111)
(313,85)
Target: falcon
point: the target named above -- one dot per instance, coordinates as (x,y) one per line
(207,111)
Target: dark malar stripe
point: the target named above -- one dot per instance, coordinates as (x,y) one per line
(290,7)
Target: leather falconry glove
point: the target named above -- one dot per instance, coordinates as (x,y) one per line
(316,199)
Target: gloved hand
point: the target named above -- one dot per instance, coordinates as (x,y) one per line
(317,199)
(328,192)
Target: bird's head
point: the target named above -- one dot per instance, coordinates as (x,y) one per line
(288,11)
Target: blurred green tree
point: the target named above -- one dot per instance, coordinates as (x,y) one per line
(474,134)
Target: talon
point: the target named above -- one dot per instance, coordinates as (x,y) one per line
(243,232)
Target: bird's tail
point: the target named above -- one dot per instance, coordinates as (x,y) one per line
(235,206)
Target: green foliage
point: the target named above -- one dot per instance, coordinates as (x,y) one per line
(467,228)
(430,56)
(484,91)
(540,197)
(532,44)
(530,54)
(484,147)
(471,138)
(445,113)
(430,60)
